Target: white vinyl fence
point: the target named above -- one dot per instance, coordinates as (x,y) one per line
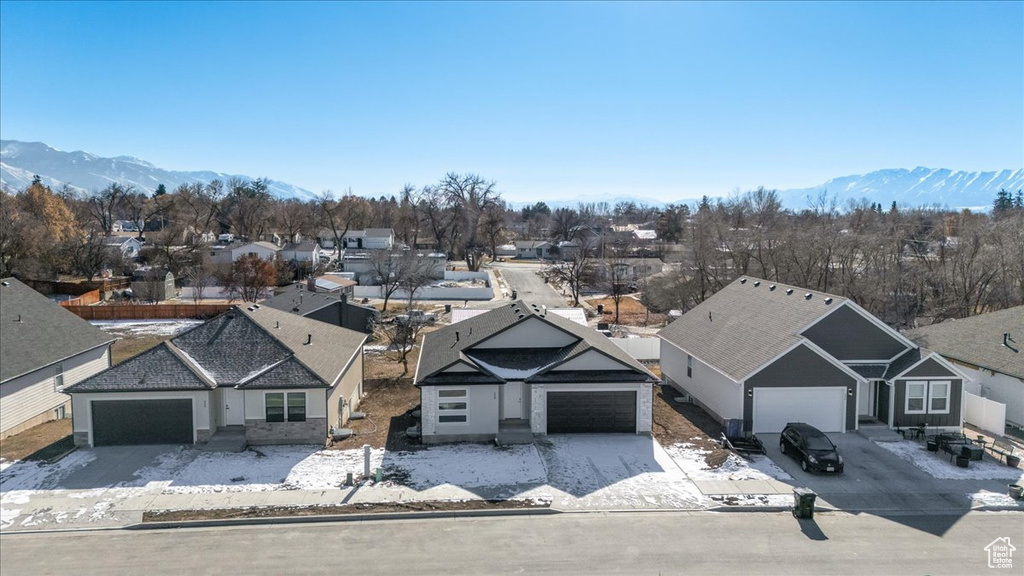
(986,414)
(640,348)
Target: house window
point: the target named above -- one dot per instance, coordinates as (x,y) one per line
(275,406)
(296,406)
(58,378)
(938,397)
(60,412)
(915,397)
(689,366)
(453,406)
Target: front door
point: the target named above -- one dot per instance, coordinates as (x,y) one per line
(512,400)
(234,407)
(882,401)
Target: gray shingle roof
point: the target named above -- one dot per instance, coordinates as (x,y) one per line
(230,347)
(978,340)
(45,335)
(300,301)
(904,361)
(441,348)
(159,368)
(743,326)
(288,374)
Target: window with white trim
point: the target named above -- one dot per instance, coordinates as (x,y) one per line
(928,397)
(453,406)
(915,397)
(58,378)
(938,397)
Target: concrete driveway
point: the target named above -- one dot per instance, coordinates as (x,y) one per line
(876,479)
(114,466)
(523,278)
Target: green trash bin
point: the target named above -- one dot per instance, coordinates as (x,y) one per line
(803,502)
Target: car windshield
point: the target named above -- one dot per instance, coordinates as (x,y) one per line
(818,443)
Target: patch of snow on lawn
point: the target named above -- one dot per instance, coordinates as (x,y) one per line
(254,470)
(691,460)
(146,327)
(939,466)
(468,465)
(993,499)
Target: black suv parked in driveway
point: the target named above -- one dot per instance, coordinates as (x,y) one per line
(809,445)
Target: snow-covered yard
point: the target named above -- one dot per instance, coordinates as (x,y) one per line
(691,460)
(135,328)
(939,466)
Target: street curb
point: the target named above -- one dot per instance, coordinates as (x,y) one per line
(342,518)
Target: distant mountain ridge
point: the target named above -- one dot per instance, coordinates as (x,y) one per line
(21,161)
(918,187)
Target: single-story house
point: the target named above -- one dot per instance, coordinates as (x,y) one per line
(335,307)
(369,239)
(125,247)
(989,348)
(155,284)
(519,369)
(630,269)
(301,252)
(230,253)
(43,349)
(767,354)
(533,249)
(281,378)
(124,226)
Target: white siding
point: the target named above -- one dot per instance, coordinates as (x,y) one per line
(590,361)
(28,396)
(202,400)
(710,387)
(533,333)
(316,402)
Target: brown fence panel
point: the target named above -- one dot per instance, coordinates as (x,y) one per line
(149,311)
(86,299)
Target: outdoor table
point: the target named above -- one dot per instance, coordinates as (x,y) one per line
(974,452)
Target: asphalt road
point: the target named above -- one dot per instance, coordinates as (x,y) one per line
(530,287)
(599,543)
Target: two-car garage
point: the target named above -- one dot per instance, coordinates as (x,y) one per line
(163,421)
(591,411)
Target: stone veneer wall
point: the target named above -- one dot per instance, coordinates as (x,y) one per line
(428,406)
(646,401)
(82,439)
(203,435)
(538,409)
(312,431)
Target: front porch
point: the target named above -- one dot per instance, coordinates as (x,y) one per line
(226,439)
(514,431)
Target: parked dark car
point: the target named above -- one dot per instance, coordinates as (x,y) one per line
(812,447)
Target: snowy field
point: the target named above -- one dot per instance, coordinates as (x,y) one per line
(691,460)
(939,466)
(135,328)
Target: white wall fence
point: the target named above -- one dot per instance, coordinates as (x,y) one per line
(986,414)
(428,293)
(466,275)
(640,348)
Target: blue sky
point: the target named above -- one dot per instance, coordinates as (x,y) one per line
(554,101)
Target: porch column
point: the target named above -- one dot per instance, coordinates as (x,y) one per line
(538,409)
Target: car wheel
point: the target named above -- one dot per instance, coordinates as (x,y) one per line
(803,464)
(782,447)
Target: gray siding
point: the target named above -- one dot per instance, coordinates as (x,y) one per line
(800,367)
(930,368)
(847,335)
(952,419)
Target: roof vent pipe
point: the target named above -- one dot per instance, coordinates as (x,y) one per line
(828,300)
(789,291)
(1006,342)
(743,280)
(757,283)
(309,339)
(771,288)
(807,296)
(277,324)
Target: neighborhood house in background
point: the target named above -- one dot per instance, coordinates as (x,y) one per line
(45,349)
(768,353)
(281,378)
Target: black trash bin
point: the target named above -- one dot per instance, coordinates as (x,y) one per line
(803,502)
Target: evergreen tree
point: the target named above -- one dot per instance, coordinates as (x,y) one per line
(1003,203)
(1018,202)
(160,191)
(892,209)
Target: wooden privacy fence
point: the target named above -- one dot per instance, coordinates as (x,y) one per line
(149,311)
(91,297)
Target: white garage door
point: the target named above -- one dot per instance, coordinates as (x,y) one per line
(823,408)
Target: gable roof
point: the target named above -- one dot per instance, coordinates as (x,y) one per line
(307,246)
(528,244)
(978,340)
(378,232)
(46,334)
(118,240)
(159,368)
(301,301)
(747,323)
(455,343)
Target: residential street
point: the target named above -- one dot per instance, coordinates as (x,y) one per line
(530,287)
(619,543)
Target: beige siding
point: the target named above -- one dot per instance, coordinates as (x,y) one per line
(350,388)
(710,388)
(28,397)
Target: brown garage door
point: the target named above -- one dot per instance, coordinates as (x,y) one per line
(117,422)
(574,412)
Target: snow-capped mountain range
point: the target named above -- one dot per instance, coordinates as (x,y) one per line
(20,161)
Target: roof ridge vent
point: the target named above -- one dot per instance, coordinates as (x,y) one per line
(789,291)
(807,296)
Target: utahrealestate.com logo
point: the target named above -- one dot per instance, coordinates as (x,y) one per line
(1000,553)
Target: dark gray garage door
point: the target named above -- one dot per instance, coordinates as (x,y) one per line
(141,422)
(591,412)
